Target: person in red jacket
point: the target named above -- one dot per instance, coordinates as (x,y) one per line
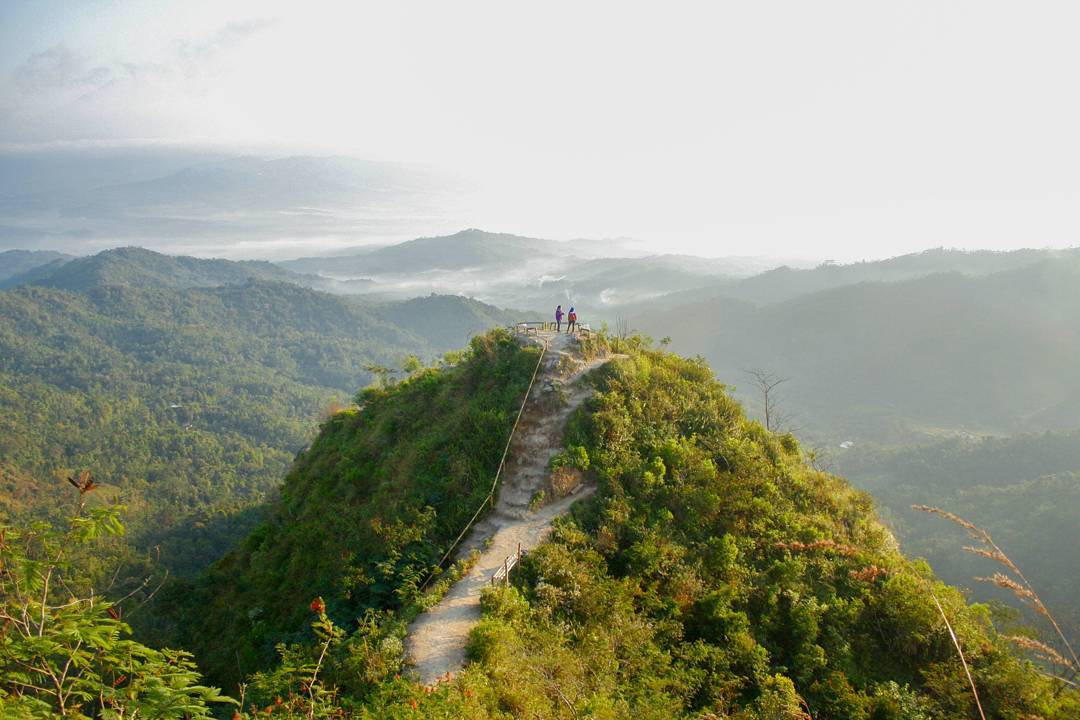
(571,321)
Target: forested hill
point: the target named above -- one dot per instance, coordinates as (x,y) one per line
(365,511)
(714,574)
(137,267)
(466,249)
(1025,489)
(894,361)
(17,262)
(189,402)
(785,283)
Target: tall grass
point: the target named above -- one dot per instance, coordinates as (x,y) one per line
(959,651)
(1018,584)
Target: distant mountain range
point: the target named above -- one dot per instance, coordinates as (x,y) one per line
(988,352)
(902,349)
(507,269)
(208,204)
(133,266)
(468,249)
(784,283)
(14,263)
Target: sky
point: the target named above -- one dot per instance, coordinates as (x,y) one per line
(835,130)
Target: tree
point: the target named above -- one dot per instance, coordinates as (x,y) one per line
(766,382)
(63,650)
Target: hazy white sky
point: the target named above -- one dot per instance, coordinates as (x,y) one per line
(831,129)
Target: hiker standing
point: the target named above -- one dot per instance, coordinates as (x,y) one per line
(558,318)
(571,321)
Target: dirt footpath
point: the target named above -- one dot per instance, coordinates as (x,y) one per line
(436,640)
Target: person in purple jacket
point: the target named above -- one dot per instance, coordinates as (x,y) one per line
(558,318)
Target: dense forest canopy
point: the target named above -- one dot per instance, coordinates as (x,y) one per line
(189,403)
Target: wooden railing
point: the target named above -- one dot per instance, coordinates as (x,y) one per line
(535,327)
(509,563)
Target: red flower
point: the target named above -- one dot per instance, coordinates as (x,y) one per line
(318,606)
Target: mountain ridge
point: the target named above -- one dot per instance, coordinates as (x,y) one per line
(713,571)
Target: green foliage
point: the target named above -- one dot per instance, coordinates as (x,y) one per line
(575,456)
(65,651)
(717,575)
(294,686)
(1023,489)
(365,512)
(189,403)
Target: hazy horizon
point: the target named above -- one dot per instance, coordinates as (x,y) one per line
(839,131)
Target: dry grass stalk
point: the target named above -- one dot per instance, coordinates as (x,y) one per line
(959,651)
(1023,589)
(951,517)
(1041,649)
(1007,583)
(995,555)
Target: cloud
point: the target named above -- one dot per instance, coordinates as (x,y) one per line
(59,68)
(224,39)
(67,93)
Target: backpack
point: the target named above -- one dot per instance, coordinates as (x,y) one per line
(572,317)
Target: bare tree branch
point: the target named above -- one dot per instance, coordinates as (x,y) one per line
(766,382)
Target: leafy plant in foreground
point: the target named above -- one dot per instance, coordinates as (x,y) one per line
(63,647)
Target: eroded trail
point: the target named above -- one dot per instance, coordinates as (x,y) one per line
(436,639)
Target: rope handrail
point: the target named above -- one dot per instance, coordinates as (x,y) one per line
(498,473)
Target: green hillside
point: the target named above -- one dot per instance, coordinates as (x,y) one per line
(718,573)
(189,404)
(17,262)
(137,267)
(448,322)
(897,361)
(365,511)
(713,575)
(1024,489)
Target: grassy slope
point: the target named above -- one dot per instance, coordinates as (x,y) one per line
(365,511)
(683,589)
(714,574)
